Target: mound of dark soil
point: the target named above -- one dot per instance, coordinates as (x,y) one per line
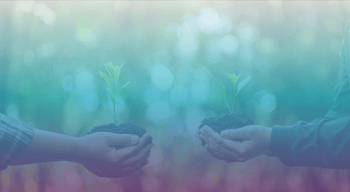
(227,121)
(123,129)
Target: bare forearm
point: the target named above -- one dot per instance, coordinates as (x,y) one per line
(32,160)
(47,147)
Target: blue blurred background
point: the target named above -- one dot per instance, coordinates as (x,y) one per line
(176,55)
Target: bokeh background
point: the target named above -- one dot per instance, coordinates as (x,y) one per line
(177,55)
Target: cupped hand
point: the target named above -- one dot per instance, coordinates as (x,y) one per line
(99,155)
(239,144)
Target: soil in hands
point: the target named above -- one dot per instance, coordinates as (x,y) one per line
(123,129)
(227,121)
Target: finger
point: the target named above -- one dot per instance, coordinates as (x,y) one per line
(217,155)
(211,136)
(128,152)
(214,153)
(222,147)
(215,138)
(197,131)
(206,130)
(238,151)
(122,139)
(114,174)
(142,165)
(204,134)
(202,138)
(144,139)
(224,153)
(234,147)
(140,157)
(243,133)
(198,136)
(134,168)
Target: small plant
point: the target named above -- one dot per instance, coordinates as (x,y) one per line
(231,120)
(127,128)
(237,88)
(112,79)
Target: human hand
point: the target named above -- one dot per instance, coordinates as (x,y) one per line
(99,155)
(237,144)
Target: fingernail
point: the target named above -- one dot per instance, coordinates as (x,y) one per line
(134,139)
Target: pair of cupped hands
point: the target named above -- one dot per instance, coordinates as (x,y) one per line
(232,145)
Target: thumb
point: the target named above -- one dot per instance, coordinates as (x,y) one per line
(122,139)
(236,134)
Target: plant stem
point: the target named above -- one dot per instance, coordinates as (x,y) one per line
(233,105)
(228,107)
(115,118)
(234,99)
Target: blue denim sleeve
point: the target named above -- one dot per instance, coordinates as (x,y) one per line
(320,143)
(341,105)
(324,142)
(15,136)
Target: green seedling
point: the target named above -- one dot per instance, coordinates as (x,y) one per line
(237,88)
(112,79)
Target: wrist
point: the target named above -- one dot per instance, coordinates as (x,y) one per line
(48,146)
(71,150)
(267,137)
(77,150)
(282,138)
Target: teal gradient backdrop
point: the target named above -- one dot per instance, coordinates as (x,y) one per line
(177,56)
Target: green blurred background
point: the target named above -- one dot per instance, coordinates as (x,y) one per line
(176,54)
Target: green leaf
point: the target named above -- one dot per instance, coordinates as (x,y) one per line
(111,69)
(224,92)
(242,84)
(233,78)
(117,71)
(108,70)
(106,78)
(122,87)
(111,95)
(225,98)
(126,84)
(116,74)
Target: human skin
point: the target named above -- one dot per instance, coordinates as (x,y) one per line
(234,145)
(96,152)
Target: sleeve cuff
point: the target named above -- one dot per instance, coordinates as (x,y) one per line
(15,136)
(282,138)
(24,136)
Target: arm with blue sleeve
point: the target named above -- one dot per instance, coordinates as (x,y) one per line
(15,136)
(21,143)
(324,142)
